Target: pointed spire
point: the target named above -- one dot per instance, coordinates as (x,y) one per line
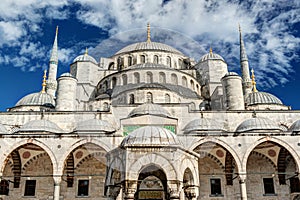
(54,56)
(243,55)
(253,81)
(210,50)
(86,51)
(44,82)
(148,33)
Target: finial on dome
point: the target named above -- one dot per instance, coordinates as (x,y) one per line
(44,82)
(148,33)
(253,81)
(86,51)
(210,50)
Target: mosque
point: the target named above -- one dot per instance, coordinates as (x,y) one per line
(149,123)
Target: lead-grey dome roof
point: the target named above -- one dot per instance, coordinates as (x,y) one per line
(38,98)
(143,46)
(85,58)
(150,136)
(261,98)
(211,56)
(258,124)
(149,109)
(41,125)
(94,125)
(203,124)
(295,127)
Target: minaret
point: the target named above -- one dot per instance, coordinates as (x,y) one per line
(51,82)
(246,81)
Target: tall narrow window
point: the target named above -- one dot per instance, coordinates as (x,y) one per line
(162,77)
(83,188)
(129,61)
(215,186)
(174,79)
(105,107)
(149,97)
(136,77)
(4,187)
(149,77)
(124,79)
(180,63)
(155,59)
(269,186)
(192,85)
(113,82)
(131,99)
(169,61)
(184,81)
(167,98)
(143,58)
(30,188)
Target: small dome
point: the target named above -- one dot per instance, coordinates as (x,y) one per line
(295,127)
(153,46)
(149,109)
(150,136)
(203,124)
(257,124)
(94,125)
(38,99)
(85,58)
(211,56)
(41,126)
(67,74)
(2,129)
(261,98)
(231,74)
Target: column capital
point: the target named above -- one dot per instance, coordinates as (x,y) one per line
(57,179)
(242,177)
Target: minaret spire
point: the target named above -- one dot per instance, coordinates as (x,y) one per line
(246,81)
(51,82)
(148,33)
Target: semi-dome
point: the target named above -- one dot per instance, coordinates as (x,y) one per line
(37,99)
(261,98)
(295,127)
(144,46)
(150,136)
(211,56)
(41,125)
(94,125)
(85,58)
(202,124)
(149,109)
(258,124)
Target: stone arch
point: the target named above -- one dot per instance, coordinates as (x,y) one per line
(86,158)
(187,163)
(71,148)
(224,145)
(152,159)
(4,155)
(269,139)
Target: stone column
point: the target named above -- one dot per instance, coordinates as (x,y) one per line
(57,181)
(242,181)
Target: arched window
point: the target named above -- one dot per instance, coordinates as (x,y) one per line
(113,82)
(105,85)
(184,81)
(105,107)
(149,97)
(167,98)
(124,79)
(136,77)
(149,77)
(180,63)
(155,59)
(143,59)
(174,79)
(162,77)
(192,85)
(129,61)
(169,61)
(131,99)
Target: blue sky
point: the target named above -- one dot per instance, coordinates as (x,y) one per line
(271,30)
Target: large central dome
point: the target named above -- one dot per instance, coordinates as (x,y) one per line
(154,46)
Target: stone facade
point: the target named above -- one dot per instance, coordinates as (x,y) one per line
(150,123)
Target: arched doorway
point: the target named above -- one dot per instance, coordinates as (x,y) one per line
(152,184)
